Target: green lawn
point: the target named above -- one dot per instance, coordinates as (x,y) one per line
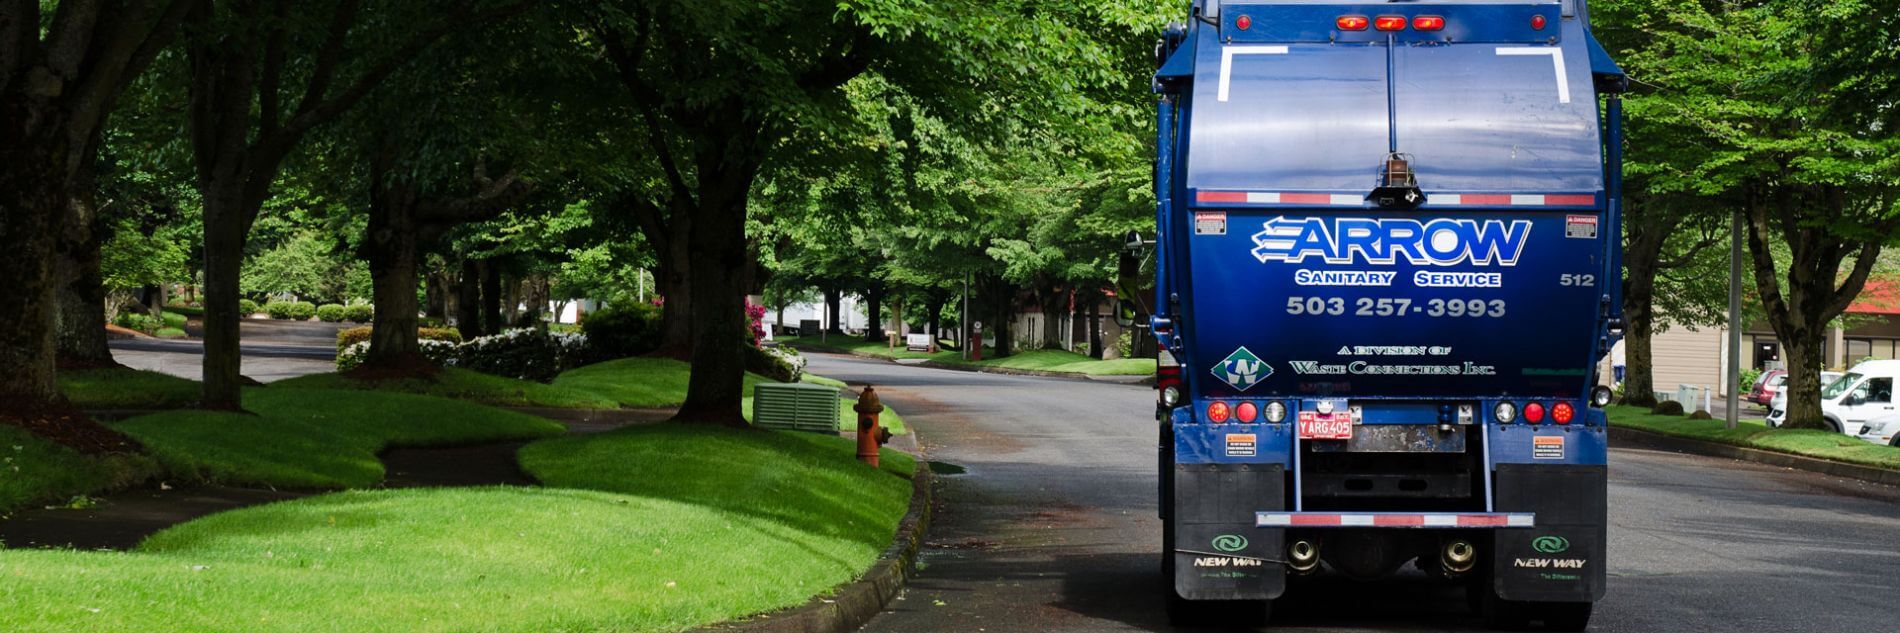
(318,438)
(174,319)
(638,383)
(1823,444)
(33,471)
(122,388)
(659,528)
(473,386)
(1050,360)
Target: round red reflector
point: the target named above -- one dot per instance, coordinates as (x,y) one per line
(1428,23)
(1390,23)
(1243,22)
(1246,412)
(1533,412)
(1537,22)
(1217,412)
(1562,412)
(1353,22)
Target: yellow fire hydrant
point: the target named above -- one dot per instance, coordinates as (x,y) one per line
(870,434)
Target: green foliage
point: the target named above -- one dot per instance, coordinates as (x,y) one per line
(305,264)
(291,310)
(525,354)
(330,313)
(138,321)
(352,336)
(246,308)
(359,313)
(122,388)
(1667,407)
(620,331)
(778,362)
(36,471)
(171,333)
(133,259)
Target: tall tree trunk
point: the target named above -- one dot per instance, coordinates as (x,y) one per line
(437,306)
(1052,307)
(225,226)
(874,308)
(714,392)
(33,199)
(468,300)
(392,250)
(933,315)
(1639,292)
(491,298)
(1095,323)
(81,337)
(834,302)
(676,314)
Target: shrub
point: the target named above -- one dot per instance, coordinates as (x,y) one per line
(525,354)
(1667,407)
(173,320)
(246,308)
(432,322)
(170,332)
(352,336)
(438,352)
(1701,415)
(330,313)
(778,362)
(620,332)
(359,313)
(291,310)
(138,321)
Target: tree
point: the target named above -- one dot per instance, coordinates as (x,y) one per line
(246,121)
(1807,164)
(62,68)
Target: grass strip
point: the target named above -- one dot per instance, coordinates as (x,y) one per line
(124,388)
(1804,442)
(1047,360)
(464,384)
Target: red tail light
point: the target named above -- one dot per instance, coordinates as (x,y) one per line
(1243,22)
(1217,412)
(1390,23)
(1168,380)
(1562,412)
(1246,412)
(1537,22)
(1534,413)
(1353,22)
(1428,23)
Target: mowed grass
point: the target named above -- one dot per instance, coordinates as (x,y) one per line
(639,383)
(1049,360)
(36,471)
(318,438)
(659,528)
(463,384)
(123,388)
(1810,443)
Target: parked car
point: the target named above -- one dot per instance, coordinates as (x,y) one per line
(1766,386)
(1883,430)
(1778,408)
(1863,393)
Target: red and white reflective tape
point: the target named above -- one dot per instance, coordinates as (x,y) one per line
(1510,200)
(1272,197)
(1396,519)
(1433,199)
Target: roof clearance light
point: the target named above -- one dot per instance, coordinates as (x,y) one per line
(1562,412)
(1390,23)
(1243,22)
(1353,22)
(1428,23)
(1537,22)
(1533,413)
(1217,412)
(1246,412)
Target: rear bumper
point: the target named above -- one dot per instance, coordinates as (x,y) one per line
(1433,520)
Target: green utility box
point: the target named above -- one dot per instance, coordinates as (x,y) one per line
(795,406)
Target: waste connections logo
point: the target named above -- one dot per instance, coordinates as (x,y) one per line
(1550,544)
(1230,542)
(1242,369)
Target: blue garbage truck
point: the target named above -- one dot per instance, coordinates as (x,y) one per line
(1387,266)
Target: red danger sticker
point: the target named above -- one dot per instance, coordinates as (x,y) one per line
(1210,223)
(1325,426)
(1582,227)
(1547,447)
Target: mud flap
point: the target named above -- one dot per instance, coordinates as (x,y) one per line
(1563,559)
(1219,554)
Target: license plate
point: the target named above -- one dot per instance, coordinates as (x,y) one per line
(1325,426)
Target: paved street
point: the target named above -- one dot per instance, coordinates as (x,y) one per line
(1052,528)
(273,351)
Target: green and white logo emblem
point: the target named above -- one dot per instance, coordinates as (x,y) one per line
(1242,369)
(1230,543)
(1550,544)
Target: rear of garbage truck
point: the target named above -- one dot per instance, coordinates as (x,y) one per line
(1387,265)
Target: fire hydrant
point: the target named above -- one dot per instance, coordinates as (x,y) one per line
(870,434)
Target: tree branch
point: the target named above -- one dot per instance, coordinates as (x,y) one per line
(1840,298)
(495,197)
(627,61)
(323,70)
(19,35)
(74,25)
(269,87)
(1765,281)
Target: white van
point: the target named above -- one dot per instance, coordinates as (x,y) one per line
(1864,393)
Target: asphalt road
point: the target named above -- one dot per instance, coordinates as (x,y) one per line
(1052,528)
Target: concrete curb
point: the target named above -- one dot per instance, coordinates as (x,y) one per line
(1138,380)
(1637,437)
(856,603)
